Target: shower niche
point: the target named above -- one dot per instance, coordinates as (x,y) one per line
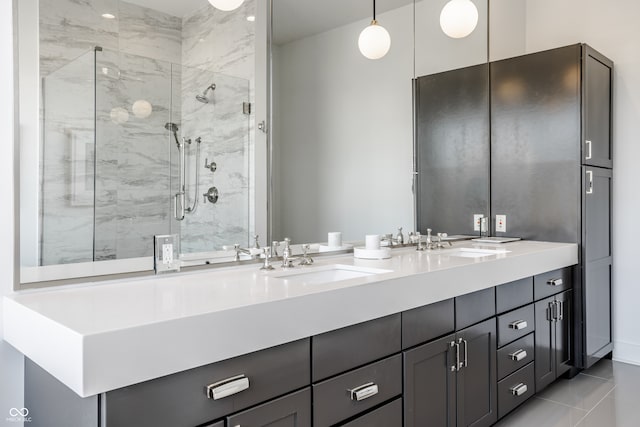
(127,148)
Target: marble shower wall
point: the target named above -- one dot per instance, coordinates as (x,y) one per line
(219,47)
(165,60)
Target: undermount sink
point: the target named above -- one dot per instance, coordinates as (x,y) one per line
(327,274)
(477,252)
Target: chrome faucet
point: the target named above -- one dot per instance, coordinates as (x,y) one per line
(306,259)
(239,251)
(437,242)
(287,259)
(267,260)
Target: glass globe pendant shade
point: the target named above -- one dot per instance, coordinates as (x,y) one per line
(459,18)
(374,41)
(226,5)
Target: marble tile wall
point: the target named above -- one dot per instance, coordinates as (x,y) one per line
(166,61)
(219,47)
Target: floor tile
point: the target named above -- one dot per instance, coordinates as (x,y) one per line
(582,392)
(612,412)
(543,413)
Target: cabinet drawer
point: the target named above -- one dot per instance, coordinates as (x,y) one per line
(515,324)
(515,389)
(426,323)
(335,400)
(551,283)
(347,348)
(181,399)
(514,294)
(475,307)
(390,415)
(293,410)
(514,356)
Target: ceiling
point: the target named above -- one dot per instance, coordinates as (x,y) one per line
(317,16)
(172,7)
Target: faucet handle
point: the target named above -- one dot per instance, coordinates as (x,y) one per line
(306,259)
(256,243)
(267,260)
(274,248)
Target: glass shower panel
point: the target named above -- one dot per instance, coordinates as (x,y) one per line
(67,163)
(213,108)
(133,154)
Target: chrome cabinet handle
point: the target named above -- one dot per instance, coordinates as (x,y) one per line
(560,305)
(518,325)
(588,143)
(519,390)
(227,387)
(590,189)
(551,312)
(363,392)
(454,367)
(465,362)
(457,365)
(519,355)
(555,282)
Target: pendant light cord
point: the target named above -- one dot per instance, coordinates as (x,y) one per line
(374,10)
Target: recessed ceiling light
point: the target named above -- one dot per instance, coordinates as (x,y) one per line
(251,18)
(108,16)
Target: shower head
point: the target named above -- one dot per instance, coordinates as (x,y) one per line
(202,97)
(173,128)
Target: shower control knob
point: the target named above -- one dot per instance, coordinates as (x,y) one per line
(211,166)
(212,195)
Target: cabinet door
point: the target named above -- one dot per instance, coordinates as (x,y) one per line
(452,149)
(477,379)
(597,309)
(597,213)
(545,359)
(430,384)
(293,410)
(563,326)
(597,108)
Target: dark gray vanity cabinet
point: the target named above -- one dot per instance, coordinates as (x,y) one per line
(430,386)
(293,410)
(553,338)
(452,381)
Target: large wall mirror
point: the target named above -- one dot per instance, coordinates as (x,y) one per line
(123,102)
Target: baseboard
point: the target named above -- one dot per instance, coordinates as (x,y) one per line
(626,352)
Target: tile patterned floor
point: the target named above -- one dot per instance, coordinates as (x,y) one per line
(604,396)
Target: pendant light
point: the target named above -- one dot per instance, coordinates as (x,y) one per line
(374,41)
(459,18)
(226,5)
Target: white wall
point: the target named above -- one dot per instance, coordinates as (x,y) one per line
(11,365)
(610,27)
(343,134)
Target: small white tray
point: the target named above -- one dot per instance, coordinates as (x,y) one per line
(325,248)
(364,253)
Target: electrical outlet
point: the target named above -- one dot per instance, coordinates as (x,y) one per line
(477,218)
(501,223)
(166,253)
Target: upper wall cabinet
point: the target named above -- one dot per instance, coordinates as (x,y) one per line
(452,149)
(597,121)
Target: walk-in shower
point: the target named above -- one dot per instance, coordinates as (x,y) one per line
(113,178)
(203,97)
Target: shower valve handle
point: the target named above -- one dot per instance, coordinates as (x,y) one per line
(213,166)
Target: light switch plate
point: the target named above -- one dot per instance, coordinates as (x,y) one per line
(501,223)
(166,257)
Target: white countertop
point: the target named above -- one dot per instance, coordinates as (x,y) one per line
(103,336)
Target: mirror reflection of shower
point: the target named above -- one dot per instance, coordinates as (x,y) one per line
(180,198)
(203,97)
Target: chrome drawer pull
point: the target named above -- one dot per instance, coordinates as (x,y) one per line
(518,355)
(518,325)
(227,387)
(589,151)
(555,282)
(363,392)
(519,390)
